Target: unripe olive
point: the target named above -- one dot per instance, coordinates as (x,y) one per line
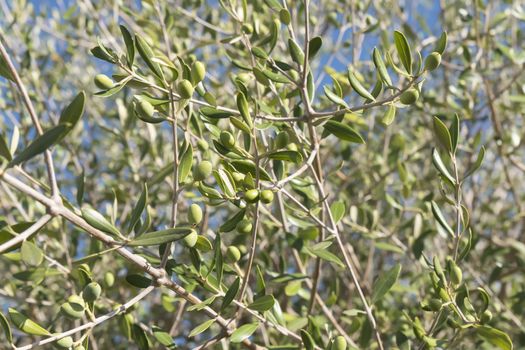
(237,177)
(292,146)
(339,343)
(227,139)
(282,139)
(195,214)
(443,295)
(203,145)
(435,304)
(251,196)
(198,72)
(185,89)
(244,226)
(266,196)
(65,342)
(191,239)
(202,170)
(233,254)
(456,276)
(432,61)
(104,82)
(74,307)
(284,17)
(79,347)
(486,316)
(244,77)
(145,109)
(309,234)
(109,279)
(409,97)
(91,292)
(453,323)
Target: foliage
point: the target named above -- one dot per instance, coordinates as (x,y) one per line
(279,175)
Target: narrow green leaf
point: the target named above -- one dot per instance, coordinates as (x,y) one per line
(218,260)
(454,132)
(443,134)
(358,87)
(231,223)
(385,282)
(41,144)
(338,210)
(440,166)
(325,255)
(287,156)
(308,341)
(381,68)
(263,303)
(140,337)
(6,327)
(314,46)
(147,55)
(4,149)
(201,328)
(438,215)
(32,255)
(161,237)
(389,115)
(130,45)
(185,163)
(334,98)
(441,43)
(214,113)
(4,70)
(343,131)
(139,208)
(403,50)
(163,337)
(477,163)
(25,324)
(74,111)
(495,337)
(138,280)
(243,332)
(230,294)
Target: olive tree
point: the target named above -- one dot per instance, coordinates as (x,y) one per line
(262,174)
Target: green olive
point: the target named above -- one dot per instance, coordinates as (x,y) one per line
(339,343)
(409,97)
(432,61)
(282,139)
(251,196)
(202,170)
(185,89)
(486,316)
(198,71)
(233,254)
(456,276)
(72,309)
(65,342)
(191,239)
(195,214)
(435,304)
(91,292)
(203,145)
(144,109)
(104,82)
(266,196)
(227,139)
(309,234)
(109,279)
(244,226)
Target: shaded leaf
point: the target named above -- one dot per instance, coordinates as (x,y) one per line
(161,237)
(385,282)
(343,131)
(403,50)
